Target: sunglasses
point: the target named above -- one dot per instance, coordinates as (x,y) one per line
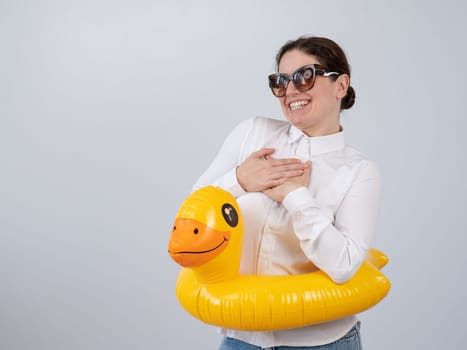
(303,79)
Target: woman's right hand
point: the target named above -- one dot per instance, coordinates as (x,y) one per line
(261,171)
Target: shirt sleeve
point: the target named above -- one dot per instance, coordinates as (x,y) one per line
(338,243)
(222,171)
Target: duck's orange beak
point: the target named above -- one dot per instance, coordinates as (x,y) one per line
(193,244)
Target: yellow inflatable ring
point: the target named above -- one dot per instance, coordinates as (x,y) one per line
(206,240)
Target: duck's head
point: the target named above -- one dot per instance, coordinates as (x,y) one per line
(208,231)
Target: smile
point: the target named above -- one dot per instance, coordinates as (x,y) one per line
(204,251)
(298,104)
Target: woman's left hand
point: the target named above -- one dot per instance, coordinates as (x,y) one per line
(279,192)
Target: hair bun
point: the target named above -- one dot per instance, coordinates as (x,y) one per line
(349,99)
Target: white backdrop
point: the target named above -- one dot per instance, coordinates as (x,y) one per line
(110,110)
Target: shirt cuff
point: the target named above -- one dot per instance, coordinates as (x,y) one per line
(230,183)
(297,199)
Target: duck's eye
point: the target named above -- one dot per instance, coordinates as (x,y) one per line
(195,231)
(230,214)
(175,227)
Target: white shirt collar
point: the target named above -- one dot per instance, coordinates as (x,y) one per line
(318,144)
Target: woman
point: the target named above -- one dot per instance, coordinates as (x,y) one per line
(309,201)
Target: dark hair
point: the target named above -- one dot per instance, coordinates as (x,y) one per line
(328,53)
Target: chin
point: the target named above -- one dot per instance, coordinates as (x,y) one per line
(297,120)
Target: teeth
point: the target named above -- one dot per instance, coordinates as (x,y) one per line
(298,104)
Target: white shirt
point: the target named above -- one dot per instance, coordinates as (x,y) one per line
(329,225)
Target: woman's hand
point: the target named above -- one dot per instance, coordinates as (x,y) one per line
(279,192)
(260,171)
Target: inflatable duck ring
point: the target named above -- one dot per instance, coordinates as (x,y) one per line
(207,240)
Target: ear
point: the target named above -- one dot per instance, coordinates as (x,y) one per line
(342,85)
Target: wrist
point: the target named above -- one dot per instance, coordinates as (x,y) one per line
(238,178)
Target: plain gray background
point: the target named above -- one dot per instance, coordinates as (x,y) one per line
(110,110)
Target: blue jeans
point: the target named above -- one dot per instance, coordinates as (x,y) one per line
(350,341)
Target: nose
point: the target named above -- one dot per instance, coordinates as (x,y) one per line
(291,89)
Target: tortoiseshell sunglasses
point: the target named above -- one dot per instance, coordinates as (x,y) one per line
(303,79)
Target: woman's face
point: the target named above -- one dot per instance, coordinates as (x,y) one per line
(316,111)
